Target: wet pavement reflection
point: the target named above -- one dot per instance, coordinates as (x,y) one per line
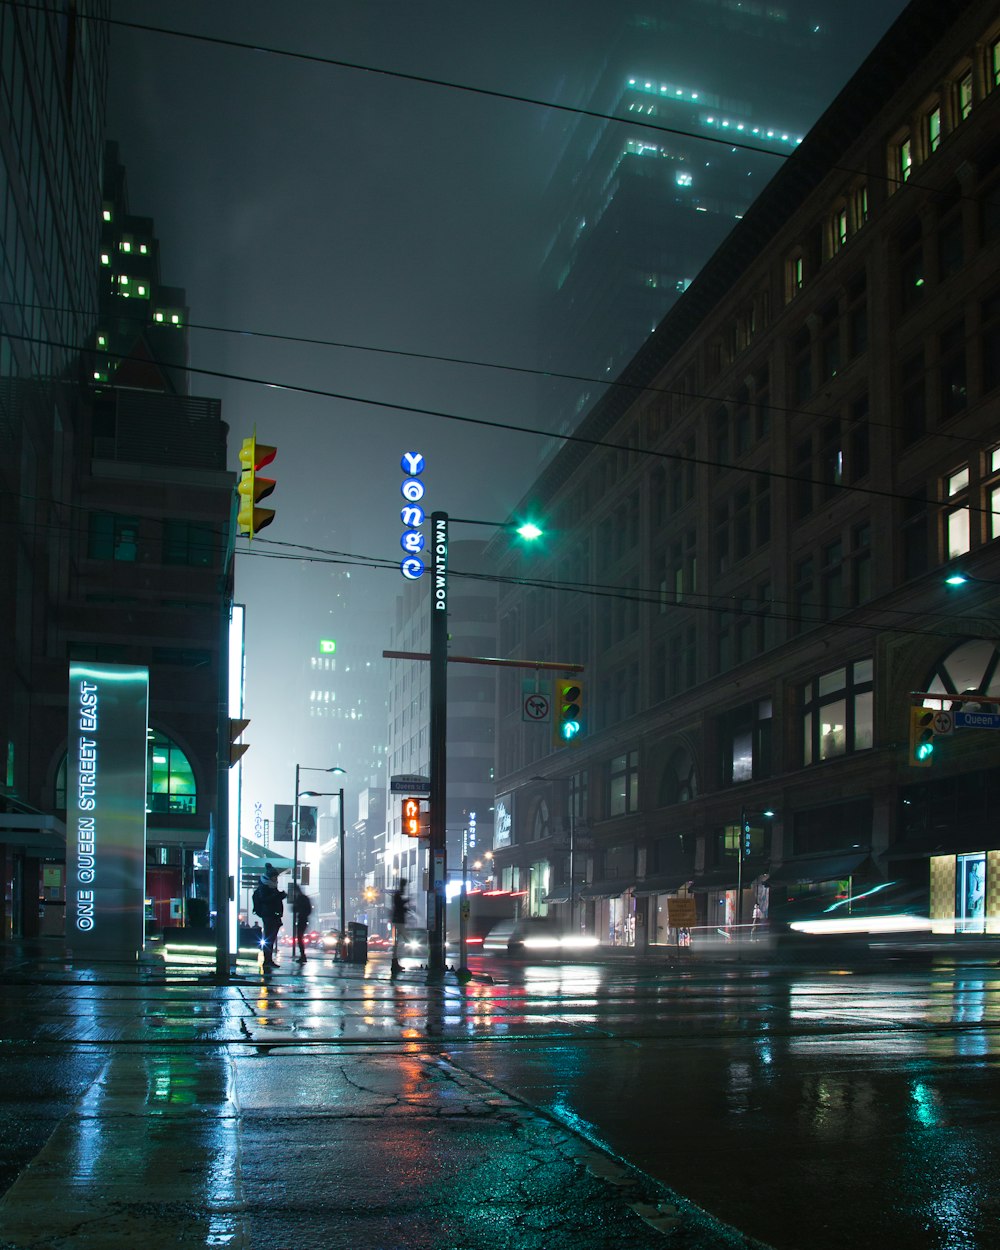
(816,1107)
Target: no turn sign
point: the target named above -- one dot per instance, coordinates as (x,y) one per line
(536,707)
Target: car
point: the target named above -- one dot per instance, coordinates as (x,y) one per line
(534,937)
(330,940)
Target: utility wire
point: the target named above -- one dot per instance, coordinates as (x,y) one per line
(511,427)
(612,384)
(468,88)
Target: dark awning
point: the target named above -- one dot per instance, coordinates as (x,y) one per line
(669,883)
(819,868)
(34,833)
(606,889)
(557,898)
(726,879)
(924,850)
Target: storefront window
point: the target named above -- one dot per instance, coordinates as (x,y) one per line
(970,893)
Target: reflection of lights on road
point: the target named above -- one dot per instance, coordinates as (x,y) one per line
(865,924)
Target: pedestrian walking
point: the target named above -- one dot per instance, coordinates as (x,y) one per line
(756,918)
(301,911)
(398,915)
(269,905)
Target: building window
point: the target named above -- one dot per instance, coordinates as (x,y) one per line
(679,781)
(861,562)
(904,158)
(113,537)
(857,315)
(912,278)
(913,398)
(965,95)
(859,205)
(953,391)
(957,519)
(623,784)
(188,542)
(746,742)
(932,129)
(795,276)
(170,782)
(837,713)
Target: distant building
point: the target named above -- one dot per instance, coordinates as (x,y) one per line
(752,543)
(471,715)
(713,97)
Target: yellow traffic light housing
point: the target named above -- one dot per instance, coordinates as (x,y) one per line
(252,488)
(569,709)
(921,736)
(237,749)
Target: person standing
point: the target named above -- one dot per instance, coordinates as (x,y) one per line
(269,905)
(301,911)
(398,915)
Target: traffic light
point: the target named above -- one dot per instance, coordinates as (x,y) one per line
(921,736)
(569,709)
(415,824)
(252,489)
(237,749)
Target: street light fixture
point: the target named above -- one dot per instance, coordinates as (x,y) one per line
(302,768)
(339,795)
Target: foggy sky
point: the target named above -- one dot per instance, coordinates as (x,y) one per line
(318,202)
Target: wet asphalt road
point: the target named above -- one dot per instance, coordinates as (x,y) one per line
(811,1108)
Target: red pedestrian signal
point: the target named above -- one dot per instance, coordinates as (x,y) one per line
(415,823)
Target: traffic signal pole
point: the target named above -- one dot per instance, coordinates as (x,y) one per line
(436,896)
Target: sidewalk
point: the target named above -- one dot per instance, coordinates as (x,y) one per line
(309,1113)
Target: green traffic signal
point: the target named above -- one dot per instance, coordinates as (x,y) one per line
(569,705)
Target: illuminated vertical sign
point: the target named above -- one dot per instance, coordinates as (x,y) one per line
(106,809)
(412,515)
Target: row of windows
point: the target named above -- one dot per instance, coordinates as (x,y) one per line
(111,536)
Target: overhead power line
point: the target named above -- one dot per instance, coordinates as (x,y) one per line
(533,431)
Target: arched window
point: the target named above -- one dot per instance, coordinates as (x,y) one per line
(972,667)
(170,784)
(540,821)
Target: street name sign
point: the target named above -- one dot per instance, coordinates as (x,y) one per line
(976,720)
(409,783)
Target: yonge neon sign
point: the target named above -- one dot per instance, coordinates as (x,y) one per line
(412,515)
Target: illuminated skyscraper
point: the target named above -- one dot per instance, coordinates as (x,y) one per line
(714,94)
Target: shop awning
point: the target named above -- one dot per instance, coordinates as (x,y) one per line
(819,868)
(255,854)
(556,898)
(941,846)
(606,889)
(724,879)
(34,833)
(668,883)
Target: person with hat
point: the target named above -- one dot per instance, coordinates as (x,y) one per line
(268,904)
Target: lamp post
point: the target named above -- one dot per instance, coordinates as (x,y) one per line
(339,796)
(438,849)
(743,852)
(303,768)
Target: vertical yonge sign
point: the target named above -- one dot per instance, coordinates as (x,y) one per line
(412,515)
(106,809)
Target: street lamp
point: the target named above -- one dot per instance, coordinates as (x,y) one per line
(302,768)
(339,796)
(439,726)
(743,853)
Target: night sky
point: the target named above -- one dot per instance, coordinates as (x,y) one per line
(316,202)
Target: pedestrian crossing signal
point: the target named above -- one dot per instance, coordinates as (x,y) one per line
(416,824)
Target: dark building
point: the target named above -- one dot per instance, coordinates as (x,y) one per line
(714,95)
(751,545)
(120,513)
(52,95)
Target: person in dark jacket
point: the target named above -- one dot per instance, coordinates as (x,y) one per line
(399,914)
(269,904)
(301,911)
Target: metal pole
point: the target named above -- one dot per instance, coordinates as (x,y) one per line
(463,920)
(295,831)
(343,905)
(739,872)
(438,742)
(220,842)
(572,864)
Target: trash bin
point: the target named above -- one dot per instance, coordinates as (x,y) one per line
(357,951)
